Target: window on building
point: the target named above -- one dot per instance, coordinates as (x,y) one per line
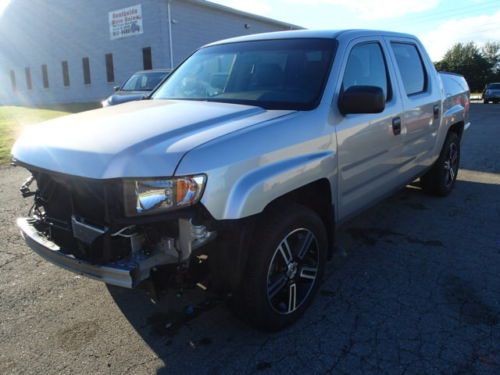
(45,76)
(86,70)
(13,80)
(110,69)
(65,73)
(29,83)
(366,67)
(147,59)
(411,67)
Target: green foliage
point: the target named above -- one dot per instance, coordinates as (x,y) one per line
(478,66)
(491,52)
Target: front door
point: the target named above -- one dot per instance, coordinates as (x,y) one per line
(369,145)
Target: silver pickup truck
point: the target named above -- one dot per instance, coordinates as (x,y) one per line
(236,171)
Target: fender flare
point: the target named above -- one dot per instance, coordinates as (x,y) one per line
(253,191)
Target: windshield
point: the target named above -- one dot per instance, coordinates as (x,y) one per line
(145,81)
(273,74)
(494,86)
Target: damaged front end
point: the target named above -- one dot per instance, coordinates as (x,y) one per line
(87,226)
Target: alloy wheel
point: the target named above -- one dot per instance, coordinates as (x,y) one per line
(293,271)
(451,164)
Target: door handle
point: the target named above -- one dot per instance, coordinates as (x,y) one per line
(396,125)
(435,110)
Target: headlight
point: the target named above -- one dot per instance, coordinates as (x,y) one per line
(151,196)
(106,102)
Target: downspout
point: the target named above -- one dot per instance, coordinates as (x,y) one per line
(170,35)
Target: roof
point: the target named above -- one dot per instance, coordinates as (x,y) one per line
(227,9)
(329,34)
(324,34)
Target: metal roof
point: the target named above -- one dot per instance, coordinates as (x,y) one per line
(227,9)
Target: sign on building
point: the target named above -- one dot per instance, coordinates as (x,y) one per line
(125,22)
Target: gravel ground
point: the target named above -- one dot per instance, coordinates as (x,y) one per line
(417,291)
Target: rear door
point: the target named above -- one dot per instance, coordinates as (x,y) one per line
(416,79)
(369,147)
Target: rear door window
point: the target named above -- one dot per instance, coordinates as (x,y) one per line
(411,67)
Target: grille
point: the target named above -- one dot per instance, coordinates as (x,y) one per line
(63,196)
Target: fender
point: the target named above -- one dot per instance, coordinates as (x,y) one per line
(255,190)
(453,115)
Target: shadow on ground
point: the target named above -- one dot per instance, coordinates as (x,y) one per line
(416,289)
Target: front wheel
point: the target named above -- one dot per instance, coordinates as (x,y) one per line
(442,176)
(284,269)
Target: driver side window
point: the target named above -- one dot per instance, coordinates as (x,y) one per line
(366,67)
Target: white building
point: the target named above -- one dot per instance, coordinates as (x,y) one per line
(62,51)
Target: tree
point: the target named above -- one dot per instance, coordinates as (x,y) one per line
(468,60)
(491,52)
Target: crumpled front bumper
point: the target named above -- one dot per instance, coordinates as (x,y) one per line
(128,273)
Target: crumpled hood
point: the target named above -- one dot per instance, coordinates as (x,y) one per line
(146,138)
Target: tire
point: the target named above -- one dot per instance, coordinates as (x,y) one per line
(279,284)
(440,180)
(485,101)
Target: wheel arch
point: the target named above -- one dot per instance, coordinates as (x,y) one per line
(316,196)
(257,189)
(457,128)
(234,246)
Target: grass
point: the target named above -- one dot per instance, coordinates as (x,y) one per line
(13,119)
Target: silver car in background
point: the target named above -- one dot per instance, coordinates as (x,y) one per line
(137,87)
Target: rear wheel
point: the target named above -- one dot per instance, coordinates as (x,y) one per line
(441,178)
(284,268)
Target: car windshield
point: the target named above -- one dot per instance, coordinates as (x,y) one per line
(273,74)
(145,81)
(494,86)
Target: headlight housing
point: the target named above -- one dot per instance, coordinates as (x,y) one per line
(156,195)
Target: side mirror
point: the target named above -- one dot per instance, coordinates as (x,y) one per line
(362,99)
(116,88)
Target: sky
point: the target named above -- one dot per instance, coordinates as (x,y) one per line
(437,23)
(3,5)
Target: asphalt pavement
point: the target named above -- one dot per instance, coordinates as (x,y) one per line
(416,290)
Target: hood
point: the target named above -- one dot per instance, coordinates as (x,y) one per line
(126,96)
(145,138)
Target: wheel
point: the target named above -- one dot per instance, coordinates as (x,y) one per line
(485,101)
(441,178)
(284,269)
